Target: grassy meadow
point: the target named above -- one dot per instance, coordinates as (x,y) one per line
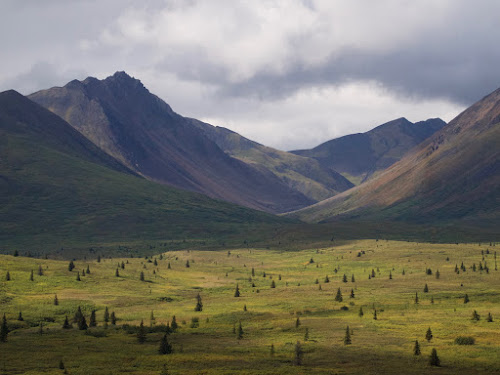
(381,346)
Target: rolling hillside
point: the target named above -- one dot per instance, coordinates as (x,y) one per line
(124,119)
(452,177)
(303,174)
(57,188)
(364,155)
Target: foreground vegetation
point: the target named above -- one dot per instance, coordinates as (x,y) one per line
(285,297)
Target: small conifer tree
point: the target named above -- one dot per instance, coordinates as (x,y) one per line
(489,319)
(361,313)
(88,269)
(273,284)
(466,298)
(117,273)
(199,304)
(78,276)
(338,297)
(71,266)
(306,335)
(20,317)
(438,274)
(7,276)
(434,360)
(106,315)
(141,333)
(426,289)
(240,332)
(237,291)
(93,320)
(40,270)
(428,334)
(352,293)
(272,351)
(165,346)
(416,297)
(66,324)
(61,365)
(475,316)
(4,329)
(375,315)
(31,276)
(344,278)
(299,354)
(174,325)
(113,318)
(56,300)
(82,324)
(347,337)
(327,280)
(141,277)
(416,348)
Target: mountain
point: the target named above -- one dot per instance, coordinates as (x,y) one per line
(58,188)
(362,156)
(124,119)
(452,177)
(300,173)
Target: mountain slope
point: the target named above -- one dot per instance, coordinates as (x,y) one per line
(56,187)
(363,155)
(300,173)
(124,119)
(452,177)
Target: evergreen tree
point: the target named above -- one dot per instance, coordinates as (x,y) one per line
(437,274)
(306,336)
(141,333)
(373,272)
(299,354)
(317,281)
(344,278)
(352,279)
(20,317)
(416,348)
(199,304)
(165,347)
(352,293)
(78,276)
(489,319)
(155,262)
(31,276)
(71,266)
(428,334)
(40,329)
(78,315)
(327,280)
(416,297)
(169,266)
(273,284)
(113,318)
(347,337)
(253,271)
(272,351)
(7,276)
(40,270)
(475,316)
(61,365)
(237,291)
(240,332)
(245,308)
(56,300)
(164,371)
(403,273)
(466,299)
(426,289)
(361,313)
(83,272)
(174,324)
(117,273)
(93,320)
(88,269)
(4,329)
(98,259)
(434,360)
(297,323)
(66,324)
(187,264)
(390,275)
(82,324)
(375,315)
(141,277)
(106,315)
(338,297)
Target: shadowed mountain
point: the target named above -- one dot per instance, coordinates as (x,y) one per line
(58,188)
(300,173)
(362,156)
(124,119)
(452,177)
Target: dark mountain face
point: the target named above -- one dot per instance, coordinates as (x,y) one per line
(119,115)
(58,188)
(361,156)
(452,177)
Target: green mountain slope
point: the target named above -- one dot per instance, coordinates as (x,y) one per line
(364,155)
(300,173)
(57,188)
(124,119)
(452,177)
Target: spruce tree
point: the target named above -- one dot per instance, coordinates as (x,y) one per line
(88,269)
(141,277)
(475,316)
(327,280)
(434,360)
(489,319)
(56,300)
(164,370)
(416,348)
(416,297)
(361,313)
(344,278)
(199,304)
(40,270)
(237,291)
(61,365)
(273,284)
(187,264)
(174,324)
(71,266)
(426,289)
(438,275)
(106,315)
(297,323)
(20,317)
(31,276)
(7,276)
(78,276)
(169,266)
(306,335)
(240,332)
(272,351)
(299,354)
(353,279)
(93,320)
(466,298)
(66,324)
(338,297)
(347,337)
(428,334)
(82,324)
(375,315)
(165,347)
(141,333)
(4,329)
(113,318)
(352,293)
(78,315)
(117,273)
(253,271)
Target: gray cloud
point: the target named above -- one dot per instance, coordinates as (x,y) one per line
(289,74)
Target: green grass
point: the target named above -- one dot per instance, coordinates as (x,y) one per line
(378,346)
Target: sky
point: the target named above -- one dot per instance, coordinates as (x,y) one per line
(290,74)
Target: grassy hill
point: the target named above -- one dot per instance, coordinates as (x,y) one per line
(451,178)
(57,189)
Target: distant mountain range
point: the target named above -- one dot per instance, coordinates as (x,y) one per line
(58,188)
(453,177)
(362,156)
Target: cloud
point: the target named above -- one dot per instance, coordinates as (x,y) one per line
(286,73)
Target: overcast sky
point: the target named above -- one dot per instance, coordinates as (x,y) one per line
(290,74)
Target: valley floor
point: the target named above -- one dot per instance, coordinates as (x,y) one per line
(301,295)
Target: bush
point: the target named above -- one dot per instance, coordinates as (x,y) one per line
(465,340)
